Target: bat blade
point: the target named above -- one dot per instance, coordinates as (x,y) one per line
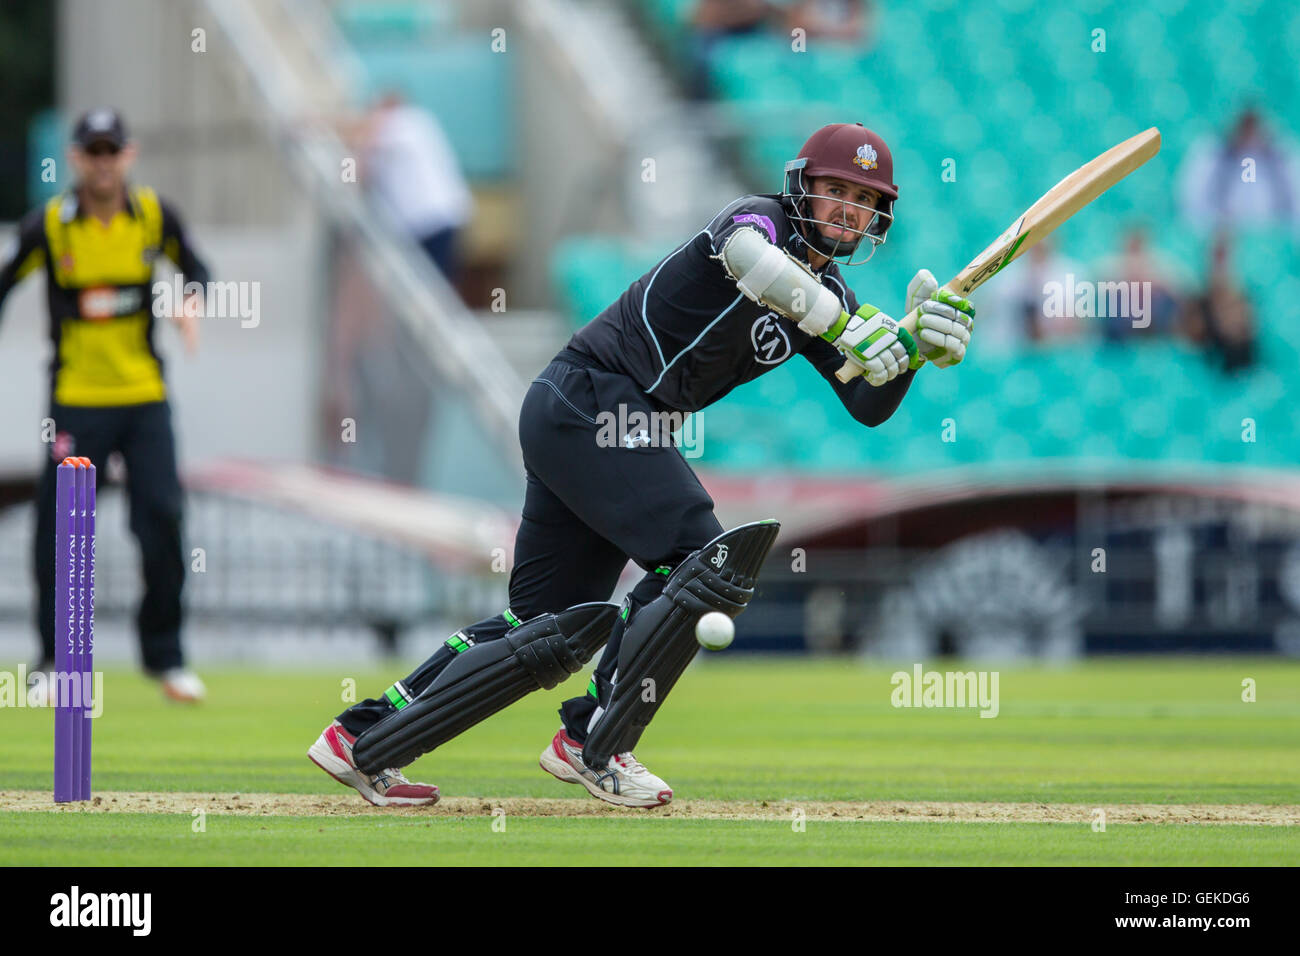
(1038,221)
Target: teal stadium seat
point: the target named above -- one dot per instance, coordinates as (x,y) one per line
(1022,388)
(807,417)
(1261,256)
(591,272)
(464,84)
(978,420)
(1099,445)
(777,388)
(1189,248)
(1184,448)
(746,455)
(1265,389)
(380,23)
(1064,420)
(1012,446)
(919,452)
(832,453)
(1146,419)
(726,420)
(903,422)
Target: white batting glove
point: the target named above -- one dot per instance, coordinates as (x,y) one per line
(922,286)
(876,343)
(945,323)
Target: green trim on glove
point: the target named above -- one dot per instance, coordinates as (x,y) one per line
(837,328)
(956,301)
(914,357)
(864,313)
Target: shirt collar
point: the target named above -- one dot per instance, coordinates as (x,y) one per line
(73,208)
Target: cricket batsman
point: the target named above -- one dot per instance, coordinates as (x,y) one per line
(757,285)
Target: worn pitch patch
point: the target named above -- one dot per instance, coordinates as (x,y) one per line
(313,805)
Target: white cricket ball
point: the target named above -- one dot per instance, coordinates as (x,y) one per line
(715,631)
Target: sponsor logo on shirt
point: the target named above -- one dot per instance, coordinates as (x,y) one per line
(752,217)
(771,344)
(107,302)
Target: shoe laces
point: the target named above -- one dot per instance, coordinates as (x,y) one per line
(627,762)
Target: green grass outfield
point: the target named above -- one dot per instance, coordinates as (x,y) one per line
(791,732)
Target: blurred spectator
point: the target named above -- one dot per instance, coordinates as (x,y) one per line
(1222,319)
(411,170)
(715,20)
(1138,265)
(1218,186)
(841,20)
(1023,307)
(719,18)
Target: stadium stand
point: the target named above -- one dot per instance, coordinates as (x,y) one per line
(1158,401)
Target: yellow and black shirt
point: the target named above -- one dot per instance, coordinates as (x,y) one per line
(100,282)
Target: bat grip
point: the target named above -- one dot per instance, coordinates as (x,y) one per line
(851,370)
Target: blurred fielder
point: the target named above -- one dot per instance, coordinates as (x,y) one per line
(759,284)
(97,244)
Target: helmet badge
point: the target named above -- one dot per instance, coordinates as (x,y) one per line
(866,157)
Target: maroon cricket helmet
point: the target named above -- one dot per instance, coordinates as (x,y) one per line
(851,152)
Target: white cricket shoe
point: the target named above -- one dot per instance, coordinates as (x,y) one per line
(625,782)
(332,752)
(181,683)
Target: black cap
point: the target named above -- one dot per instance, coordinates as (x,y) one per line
(100,126)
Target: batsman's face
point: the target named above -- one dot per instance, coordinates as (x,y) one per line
(102,168)
(844,209)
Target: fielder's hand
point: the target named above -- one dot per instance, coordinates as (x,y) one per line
(187,321)
(877,344)
(945,321)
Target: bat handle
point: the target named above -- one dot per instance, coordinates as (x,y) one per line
(849,370)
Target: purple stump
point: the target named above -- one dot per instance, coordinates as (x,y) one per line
(65,760)
(88,659)
(79,611)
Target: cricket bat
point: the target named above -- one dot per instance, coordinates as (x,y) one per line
(1054,207)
